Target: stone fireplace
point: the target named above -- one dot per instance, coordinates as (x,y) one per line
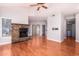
(19,32)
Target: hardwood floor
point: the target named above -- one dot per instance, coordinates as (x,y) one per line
(40,46)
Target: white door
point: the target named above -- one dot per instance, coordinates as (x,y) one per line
(38,30)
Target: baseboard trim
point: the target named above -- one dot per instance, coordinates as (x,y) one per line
(77,40)
(5,43)
(59,41)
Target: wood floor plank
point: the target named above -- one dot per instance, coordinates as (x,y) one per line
(40,46)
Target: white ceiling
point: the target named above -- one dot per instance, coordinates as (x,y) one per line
(65,8)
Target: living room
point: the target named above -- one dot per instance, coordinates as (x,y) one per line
(21,25)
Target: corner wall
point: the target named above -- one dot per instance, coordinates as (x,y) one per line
(56,21)
(77,27)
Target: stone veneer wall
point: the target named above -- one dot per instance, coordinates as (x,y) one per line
(15,32)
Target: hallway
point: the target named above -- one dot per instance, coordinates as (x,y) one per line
(40,46)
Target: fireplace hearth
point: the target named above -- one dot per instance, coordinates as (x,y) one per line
(23,32)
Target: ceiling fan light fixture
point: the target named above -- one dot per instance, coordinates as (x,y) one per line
(40,5)
(44,7)
(38,8)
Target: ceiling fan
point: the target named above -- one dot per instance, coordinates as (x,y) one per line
(39,5)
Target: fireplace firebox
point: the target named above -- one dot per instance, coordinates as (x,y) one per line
(23,32)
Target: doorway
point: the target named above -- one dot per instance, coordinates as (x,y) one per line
(43,30)
(38,25)
(70,28)
(35,30)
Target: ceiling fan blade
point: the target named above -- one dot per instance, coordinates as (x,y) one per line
(37,4)
(41,3)
(34,5)
(45,7)
(38,8)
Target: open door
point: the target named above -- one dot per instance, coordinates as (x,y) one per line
(43,30)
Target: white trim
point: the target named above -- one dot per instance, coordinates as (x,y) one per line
(5,43)
(5,40)
(59,41)
(77,40)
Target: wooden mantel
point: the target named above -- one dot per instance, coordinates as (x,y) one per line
(20,24)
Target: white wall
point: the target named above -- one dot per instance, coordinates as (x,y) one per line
(56,21)
(63,27)
(18,14)
(77,27)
